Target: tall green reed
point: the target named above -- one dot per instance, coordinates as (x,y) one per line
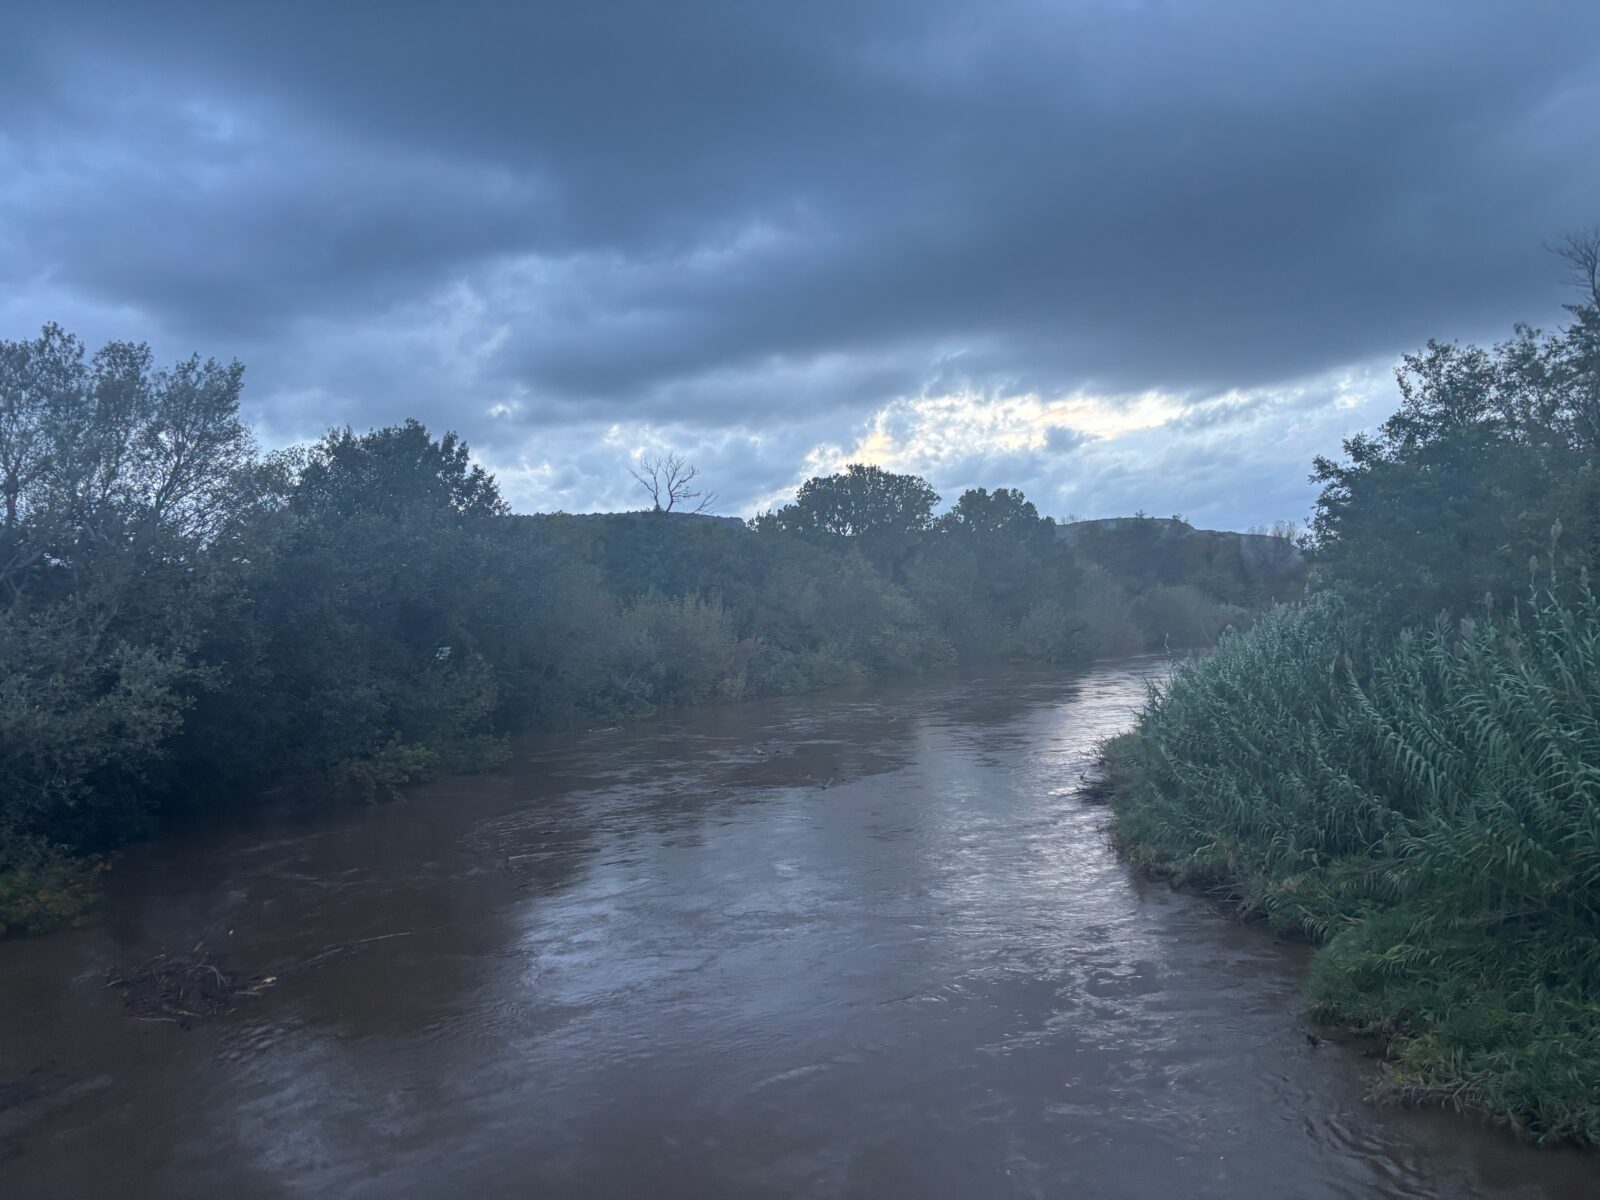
(1430,808)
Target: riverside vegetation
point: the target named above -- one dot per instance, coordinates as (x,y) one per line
(186,622)
(1406,766)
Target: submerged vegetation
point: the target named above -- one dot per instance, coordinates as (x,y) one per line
(1406,767)
(185,621)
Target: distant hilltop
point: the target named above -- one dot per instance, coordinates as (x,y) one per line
(1151,550)
(1142,552)
(738,522)
(1148,551)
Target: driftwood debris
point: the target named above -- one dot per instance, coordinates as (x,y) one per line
(183,988)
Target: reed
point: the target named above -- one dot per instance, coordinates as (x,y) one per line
(1429,811)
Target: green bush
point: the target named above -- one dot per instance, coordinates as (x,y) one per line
(1106,610)
(684,651)
(1183,616)
(42,888)
(1431,812)
(1048,633)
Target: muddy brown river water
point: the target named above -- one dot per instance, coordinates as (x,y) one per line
(866,944)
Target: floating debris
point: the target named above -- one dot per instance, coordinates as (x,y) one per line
(185,988)
(181,988)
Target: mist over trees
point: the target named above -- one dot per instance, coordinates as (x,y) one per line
(185,620)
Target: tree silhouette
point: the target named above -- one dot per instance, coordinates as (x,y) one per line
(667,479)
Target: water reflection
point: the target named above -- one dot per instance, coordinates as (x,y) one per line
(865,944)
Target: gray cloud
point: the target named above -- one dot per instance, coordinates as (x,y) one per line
(748,229)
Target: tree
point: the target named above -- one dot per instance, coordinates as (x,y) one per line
(864,501)
(1489,449)
(1005,511)
(37,379)
(1582,254)
(1581,250)
(399,469)
(111,460)
(116,476)
(668,480)
(379,584)
(989,562)
(884,513)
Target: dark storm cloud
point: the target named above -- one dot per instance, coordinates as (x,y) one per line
(698,216)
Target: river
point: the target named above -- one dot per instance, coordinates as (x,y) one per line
(864,944)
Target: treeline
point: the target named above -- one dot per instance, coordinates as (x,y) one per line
(185,621)
(1407,766)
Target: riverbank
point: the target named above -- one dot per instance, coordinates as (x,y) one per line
(367,612)
(46,886)
(1426,816)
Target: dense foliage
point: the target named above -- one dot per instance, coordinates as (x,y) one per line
(1456,491)
(1407,766)
(185,620)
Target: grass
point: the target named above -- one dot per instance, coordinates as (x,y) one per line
(42,889)
(1428,812)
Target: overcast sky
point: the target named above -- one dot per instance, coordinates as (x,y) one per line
(1122,255)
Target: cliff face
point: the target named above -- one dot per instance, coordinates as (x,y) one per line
(1151,551)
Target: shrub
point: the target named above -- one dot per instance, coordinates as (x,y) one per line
(1429,811)
(1182,616)
(1105,609)
(1048,633)
(685,651)
(41,888)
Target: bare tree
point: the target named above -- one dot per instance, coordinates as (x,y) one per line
(667,478)
(1288,531)
(1581,249)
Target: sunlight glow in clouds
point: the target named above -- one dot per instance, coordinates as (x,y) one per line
(1077,455)
(1053,247)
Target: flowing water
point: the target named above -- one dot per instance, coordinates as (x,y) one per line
(866,944)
